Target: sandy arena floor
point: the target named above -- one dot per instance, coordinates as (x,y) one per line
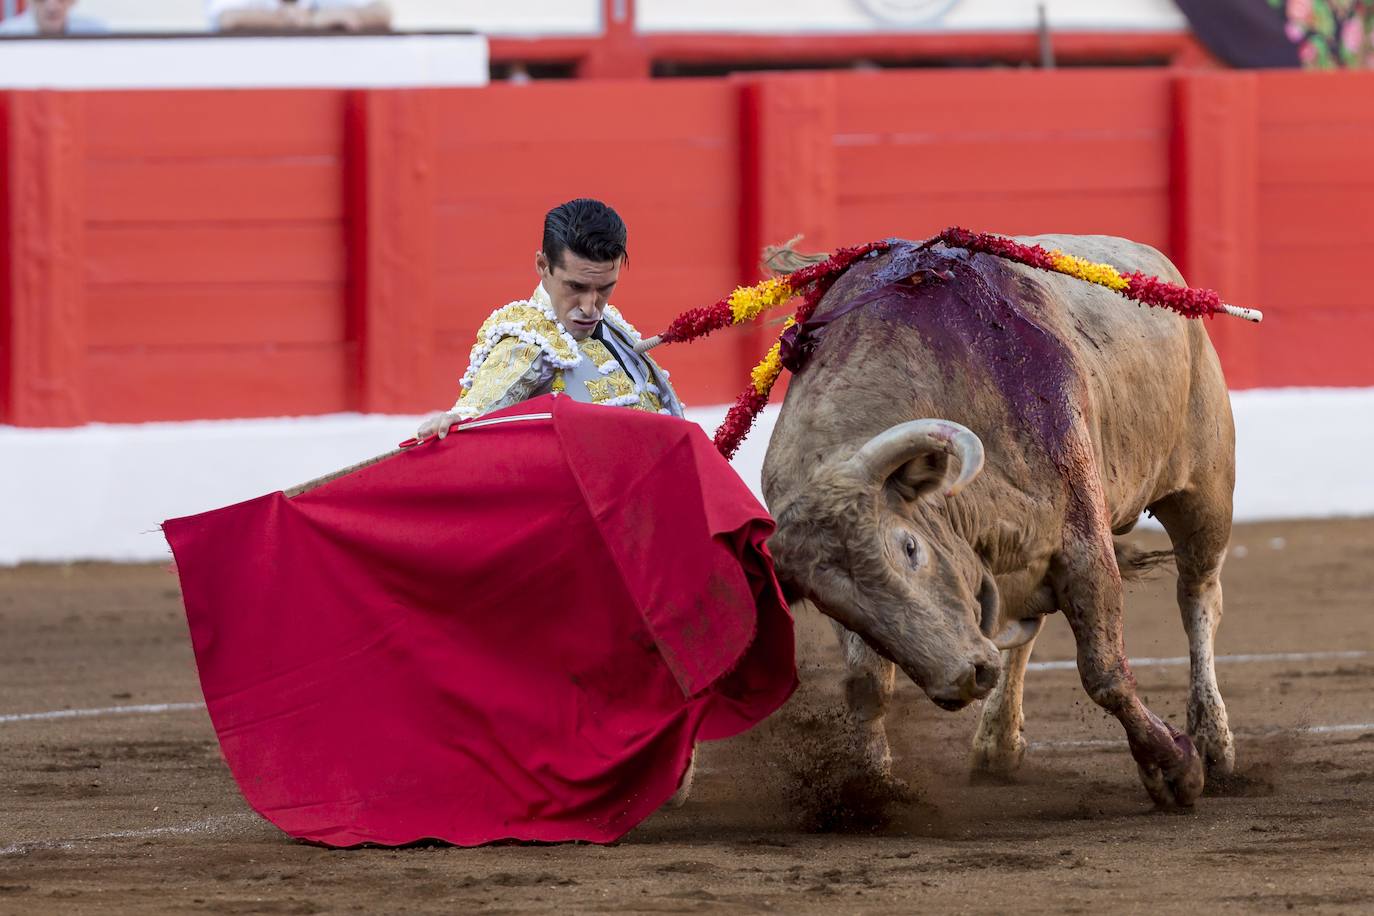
(135,812)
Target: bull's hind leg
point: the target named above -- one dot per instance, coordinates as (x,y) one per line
(1200,532)
(999,746)
(868,684)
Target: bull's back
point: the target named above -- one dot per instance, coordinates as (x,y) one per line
(1156,406)
(1020,369)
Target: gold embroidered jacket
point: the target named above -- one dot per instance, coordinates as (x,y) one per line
(523,351)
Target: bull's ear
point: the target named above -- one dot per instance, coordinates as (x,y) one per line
(909,454)
(921,476)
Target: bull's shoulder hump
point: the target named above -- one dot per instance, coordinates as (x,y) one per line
(1124,254)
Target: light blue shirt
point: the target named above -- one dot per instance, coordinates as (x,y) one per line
(25,24)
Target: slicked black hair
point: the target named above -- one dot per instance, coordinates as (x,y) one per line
(586,227)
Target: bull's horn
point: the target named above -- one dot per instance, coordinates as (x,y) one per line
(1018,633)
(892,448)
(989,605)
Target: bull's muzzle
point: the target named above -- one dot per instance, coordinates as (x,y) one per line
(975,683)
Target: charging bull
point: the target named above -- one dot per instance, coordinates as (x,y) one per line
(952,463)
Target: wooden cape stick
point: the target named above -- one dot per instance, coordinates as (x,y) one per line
(405,447)
(309,485)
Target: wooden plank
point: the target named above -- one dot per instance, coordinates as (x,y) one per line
(45,241)
(393,246)
(1338,153)
(1305,279)
(1288,98)
(791,181)
(794,163)
(190,383)
(1299,217)
(1142,216)
(560,113)
(1215,206)
(473,234)
(228,253)
(961,99)
(214,124)
(878,167)
(208,190)
(668,170)
(198,314)
(1311,347)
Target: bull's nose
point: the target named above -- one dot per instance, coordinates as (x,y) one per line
(975,683)
(985,676)
(978,680)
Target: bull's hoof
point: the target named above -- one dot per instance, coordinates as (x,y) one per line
(885,785)
(1218,752)
(874,751)
(1220,765)
(1179,783)
(996,761)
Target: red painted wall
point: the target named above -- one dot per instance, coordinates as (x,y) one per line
(189,254)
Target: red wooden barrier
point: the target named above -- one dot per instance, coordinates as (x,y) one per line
(393,174)
(216,267)
(44,303)
(1315,203)
(177,255)
(1213,220)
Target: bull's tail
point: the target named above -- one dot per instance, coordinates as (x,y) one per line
(1136,563)
(785,258)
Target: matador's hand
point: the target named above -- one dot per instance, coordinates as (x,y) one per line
(436,424)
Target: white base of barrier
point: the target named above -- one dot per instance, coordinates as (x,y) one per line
(99,492)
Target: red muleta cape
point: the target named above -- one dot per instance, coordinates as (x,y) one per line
(515,633)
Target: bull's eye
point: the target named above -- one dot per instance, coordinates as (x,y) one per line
(910,548)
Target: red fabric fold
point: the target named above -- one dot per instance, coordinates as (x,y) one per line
(516,633)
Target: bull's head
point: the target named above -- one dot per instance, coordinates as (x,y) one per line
(866,541)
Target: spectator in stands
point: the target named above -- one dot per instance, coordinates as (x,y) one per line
(298,15)
(51,18)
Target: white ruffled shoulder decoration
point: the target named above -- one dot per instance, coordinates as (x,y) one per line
(619,321)
(530,320)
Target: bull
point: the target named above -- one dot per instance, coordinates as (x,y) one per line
(955,460)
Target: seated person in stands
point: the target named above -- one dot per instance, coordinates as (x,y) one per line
(51,18)
(298,15)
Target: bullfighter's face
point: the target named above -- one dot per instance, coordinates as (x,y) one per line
(579,290)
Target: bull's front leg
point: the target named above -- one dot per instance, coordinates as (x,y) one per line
(1088,586)
(868,684)
(999,745)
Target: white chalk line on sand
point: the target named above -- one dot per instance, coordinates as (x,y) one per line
(1089,743)
(1065,665)
(1180,660)
(146,709)
(211,825)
